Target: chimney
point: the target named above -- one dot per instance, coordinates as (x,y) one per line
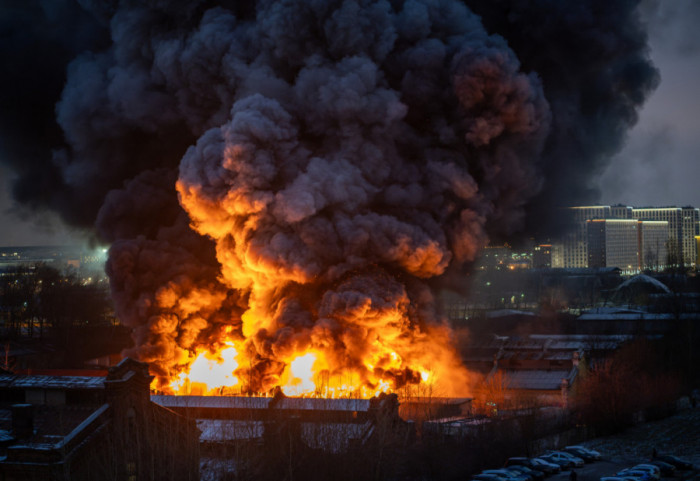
(22,421)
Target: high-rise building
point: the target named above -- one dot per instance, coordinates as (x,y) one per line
(613,243)
(684,225)
(663,236)
(575,243)
(542,256)
(689,229)
(653,244)
(620,211)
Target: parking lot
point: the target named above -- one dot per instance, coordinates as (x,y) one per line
(607,467)
(677,435)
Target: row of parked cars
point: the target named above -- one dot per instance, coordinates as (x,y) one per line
(537,468)
(663,465)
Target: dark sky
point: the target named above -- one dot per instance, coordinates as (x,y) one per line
(658,166)
(20,228)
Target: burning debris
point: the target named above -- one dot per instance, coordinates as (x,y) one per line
(283,185)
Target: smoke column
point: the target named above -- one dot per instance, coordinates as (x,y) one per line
(301,175)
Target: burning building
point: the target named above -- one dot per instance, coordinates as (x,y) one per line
(285,184)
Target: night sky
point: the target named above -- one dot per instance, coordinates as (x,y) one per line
(657,166)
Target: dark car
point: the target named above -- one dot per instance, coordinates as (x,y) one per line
(583,453)
(541,467)
(680,464)
(546,466)
(525,471)
(635,473)
(487,477)
(666,468)
(561,462)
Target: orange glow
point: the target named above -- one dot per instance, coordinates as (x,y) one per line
(298,327)
(301,376)
(313,373)
(209,373)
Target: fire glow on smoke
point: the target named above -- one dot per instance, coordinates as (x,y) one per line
(286,184)
(342,182)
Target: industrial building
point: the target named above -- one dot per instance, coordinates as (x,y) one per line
(92,427)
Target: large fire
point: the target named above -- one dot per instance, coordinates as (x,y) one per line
(347,160)
(305,375)
(227,371)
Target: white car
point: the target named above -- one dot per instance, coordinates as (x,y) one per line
(560,455)
(636,473)
(654,471)
(591,452)
(505,474)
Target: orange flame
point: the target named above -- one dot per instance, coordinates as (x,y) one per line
(307,374)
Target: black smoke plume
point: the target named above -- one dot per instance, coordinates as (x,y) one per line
(333,159)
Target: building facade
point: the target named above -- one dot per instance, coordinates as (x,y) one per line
(613,243)
(85,428)
(653,245)
(679,247)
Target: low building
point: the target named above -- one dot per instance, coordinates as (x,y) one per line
(252,434)
(86,427)
(537,370)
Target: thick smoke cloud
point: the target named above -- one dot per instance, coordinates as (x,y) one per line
(593,59)
(298,174)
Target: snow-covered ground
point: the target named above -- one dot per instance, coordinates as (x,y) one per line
(678,435)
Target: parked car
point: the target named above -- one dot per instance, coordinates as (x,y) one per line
(582,452)
(487,477)
(666,468)
(525,471)
(635,473)
(561,461)
(579,453)
(577,462)
(654,471)
(679,463)
(517,471)
(527,462)
(547,467)
(505,474)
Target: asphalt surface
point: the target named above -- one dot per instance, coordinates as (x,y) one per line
(607,467)
(678,435)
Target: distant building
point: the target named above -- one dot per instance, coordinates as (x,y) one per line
(653,245)
(494,257)
(542,256)
(575,243)
(621,212)
(87,428)
(613,243)
(690,229)
(682,228)
(680,247)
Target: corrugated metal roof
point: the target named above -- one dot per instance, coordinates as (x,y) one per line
(51,382)
(323,404)
(59,382)
(240,402)
(218,402)
(538,379)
